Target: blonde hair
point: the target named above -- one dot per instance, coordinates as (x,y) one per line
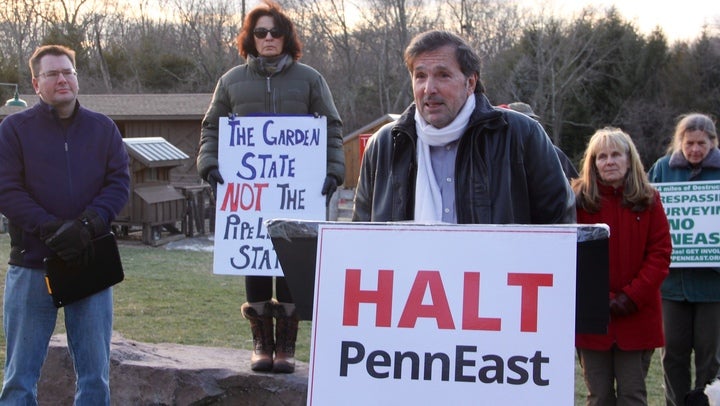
(637,191)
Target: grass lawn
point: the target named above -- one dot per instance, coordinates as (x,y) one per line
(172,296)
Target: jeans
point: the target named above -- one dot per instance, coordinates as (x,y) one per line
(29,322)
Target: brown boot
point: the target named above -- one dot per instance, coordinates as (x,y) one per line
(285,336)
(259,314)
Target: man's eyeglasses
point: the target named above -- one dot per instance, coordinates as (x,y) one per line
(261,33)
(54,74)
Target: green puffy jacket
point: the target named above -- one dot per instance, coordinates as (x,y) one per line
(248,89)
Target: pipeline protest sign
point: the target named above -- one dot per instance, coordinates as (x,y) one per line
(273,167)
(443,314)
(693,211)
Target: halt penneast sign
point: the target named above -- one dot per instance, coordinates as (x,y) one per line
(693,211)
(443,314)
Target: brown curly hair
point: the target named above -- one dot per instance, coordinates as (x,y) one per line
(246,41)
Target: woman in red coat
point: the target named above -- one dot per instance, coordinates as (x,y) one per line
(613,189)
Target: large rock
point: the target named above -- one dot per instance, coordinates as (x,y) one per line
(173,374)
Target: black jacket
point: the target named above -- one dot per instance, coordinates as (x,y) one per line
(507,172)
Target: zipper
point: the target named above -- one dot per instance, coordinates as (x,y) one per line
(270,103)
(67,159)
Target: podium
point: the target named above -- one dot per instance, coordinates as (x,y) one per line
(295,243)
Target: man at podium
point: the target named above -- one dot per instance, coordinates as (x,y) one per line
(451,157)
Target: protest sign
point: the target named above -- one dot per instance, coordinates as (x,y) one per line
(273,167)
(443,314)
(693,211)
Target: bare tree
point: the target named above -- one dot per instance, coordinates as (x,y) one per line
(331,47)
(207,32)
(71,22)
(557,64)
(97,34)
(19,28)
(133,40)
(389,25)
(488,25)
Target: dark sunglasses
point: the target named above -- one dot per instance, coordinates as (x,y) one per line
(261,33)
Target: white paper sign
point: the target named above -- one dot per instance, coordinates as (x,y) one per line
(693,211)
(443,315)
(273,167)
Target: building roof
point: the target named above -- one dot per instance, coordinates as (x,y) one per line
(154,151)
(169,106)
(371,127)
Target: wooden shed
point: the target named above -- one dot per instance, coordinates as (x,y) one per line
(154,202)
(353,144)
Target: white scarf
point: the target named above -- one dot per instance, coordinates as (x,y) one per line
(428,201)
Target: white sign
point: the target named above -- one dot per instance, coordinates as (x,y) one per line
(443,314)
(693,211)
(273,167)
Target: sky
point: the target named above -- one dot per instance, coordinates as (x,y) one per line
(680,20)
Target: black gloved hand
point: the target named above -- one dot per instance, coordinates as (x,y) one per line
(72,240)
(95,224)
(621,305)
(329,187)
(213,178)
(46,230)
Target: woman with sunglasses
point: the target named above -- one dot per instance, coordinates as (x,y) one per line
(272,81)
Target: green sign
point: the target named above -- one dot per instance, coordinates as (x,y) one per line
(693,211)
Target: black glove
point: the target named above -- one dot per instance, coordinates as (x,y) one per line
(72,240)
(213,178)
(329,187)
(621,305)
(46,230)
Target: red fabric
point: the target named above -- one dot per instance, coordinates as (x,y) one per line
(639,258)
